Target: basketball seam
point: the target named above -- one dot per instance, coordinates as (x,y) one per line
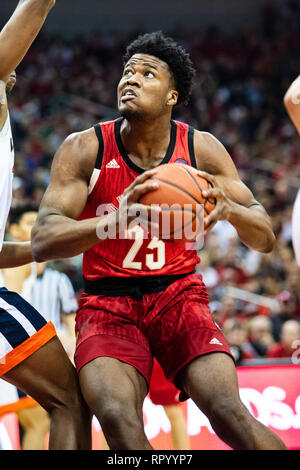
(209,185)
(188,223)
(178,187)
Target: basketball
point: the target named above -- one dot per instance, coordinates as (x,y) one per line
(180,197)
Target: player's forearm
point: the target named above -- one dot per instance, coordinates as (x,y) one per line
(57,236)
(292,102)
(14,254)
(253,227)
(20,31)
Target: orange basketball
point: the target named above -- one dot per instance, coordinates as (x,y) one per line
(180,197)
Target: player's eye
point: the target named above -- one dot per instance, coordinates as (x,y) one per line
(127,72)
(149,74)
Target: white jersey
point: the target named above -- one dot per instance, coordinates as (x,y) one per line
(7,156)
(296,228)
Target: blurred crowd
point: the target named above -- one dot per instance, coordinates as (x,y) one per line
(68,85)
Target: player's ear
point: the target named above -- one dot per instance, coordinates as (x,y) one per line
(172,97)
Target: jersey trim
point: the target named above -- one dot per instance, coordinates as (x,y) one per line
(99,135)
(21,404)
(134,286)
(27,348)
(191,133)
(129,162)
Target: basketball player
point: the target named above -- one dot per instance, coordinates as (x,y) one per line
(31,356)
(164,393)
(292,105)
(141,296)
(52,294)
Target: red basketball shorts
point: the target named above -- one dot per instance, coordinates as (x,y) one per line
(174,325)
(161,391)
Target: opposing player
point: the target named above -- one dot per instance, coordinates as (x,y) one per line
(292,105)
(141,296)
(31,356)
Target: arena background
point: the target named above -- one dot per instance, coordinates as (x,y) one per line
(246,55)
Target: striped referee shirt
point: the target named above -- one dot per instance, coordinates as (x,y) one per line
(52,294)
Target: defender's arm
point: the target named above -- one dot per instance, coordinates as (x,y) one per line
(292,102)
(14,254)
(20,31)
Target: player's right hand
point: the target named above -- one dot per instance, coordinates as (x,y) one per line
(132,212)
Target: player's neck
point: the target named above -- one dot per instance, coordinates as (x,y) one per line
(145,141)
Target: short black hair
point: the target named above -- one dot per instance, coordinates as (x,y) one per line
(167,50)
(21,208)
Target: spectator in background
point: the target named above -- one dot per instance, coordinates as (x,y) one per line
(209,273)
(289,340)
(236,334)
(260,335)
(228,309)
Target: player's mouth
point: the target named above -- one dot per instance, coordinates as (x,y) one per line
(128,94)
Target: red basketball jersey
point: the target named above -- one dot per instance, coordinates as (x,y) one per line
(113,173)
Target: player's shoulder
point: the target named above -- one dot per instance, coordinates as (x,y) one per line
(211,155)
(206,143)
(205,138)
(83,140)
(77,154)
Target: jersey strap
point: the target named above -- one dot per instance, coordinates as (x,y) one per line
(99,135)
(191,133)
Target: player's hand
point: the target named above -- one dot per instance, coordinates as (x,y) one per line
(223,203)
(130,209)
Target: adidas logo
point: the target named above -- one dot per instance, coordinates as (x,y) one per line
(215,341)
(112,164)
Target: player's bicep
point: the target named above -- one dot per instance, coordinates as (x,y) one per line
(67,197)
(68,189)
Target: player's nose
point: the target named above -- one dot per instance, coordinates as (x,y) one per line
(133,80)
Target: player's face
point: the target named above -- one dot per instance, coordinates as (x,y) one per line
(146,88)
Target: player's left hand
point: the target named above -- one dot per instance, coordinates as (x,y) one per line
(223,203)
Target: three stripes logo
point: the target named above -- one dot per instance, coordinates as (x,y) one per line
(216,341)
(113,164)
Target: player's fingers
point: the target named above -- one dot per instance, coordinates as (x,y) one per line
(146,216)
(141,179)
(144,210)
(207,176)
(139,190)
(212,217)
(212,193)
